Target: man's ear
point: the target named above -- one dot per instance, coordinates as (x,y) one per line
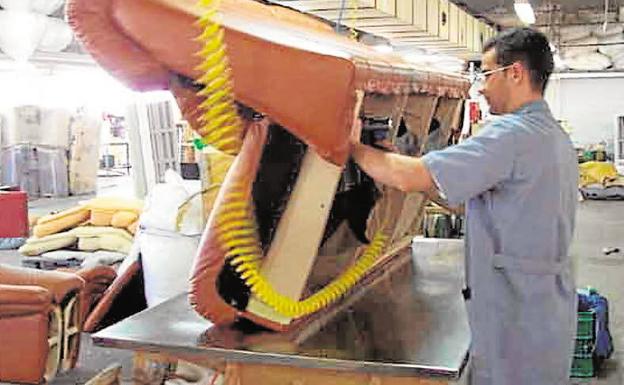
(518,71)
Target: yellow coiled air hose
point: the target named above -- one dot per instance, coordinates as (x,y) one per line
(235,222)
(238,236)
(221,127)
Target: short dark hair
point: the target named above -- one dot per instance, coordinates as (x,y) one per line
(528,46)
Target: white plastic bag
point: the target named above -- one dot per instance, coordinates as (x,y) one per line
(163,202)
(168,253)
(167,259)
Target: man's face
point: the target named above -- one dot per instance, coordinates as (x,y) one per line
(496,86)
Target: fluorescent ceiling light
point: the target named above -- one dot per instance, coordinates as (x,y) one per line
(524,10)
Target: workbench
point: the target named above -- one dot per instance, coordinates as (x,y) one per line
(408,327)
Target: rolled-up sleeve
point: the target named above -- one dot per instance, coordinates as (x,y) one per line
(476,165)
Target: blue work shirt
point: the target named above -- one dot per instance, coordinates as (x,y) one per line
(518,178)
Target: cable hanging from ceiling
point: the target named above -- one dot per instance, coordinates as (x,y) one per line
(606,17)
(353,16)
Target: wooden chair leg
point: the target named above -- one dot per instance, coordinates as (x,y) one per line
(55,342)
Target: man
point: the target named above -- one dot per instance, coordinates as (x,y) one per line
(518,178)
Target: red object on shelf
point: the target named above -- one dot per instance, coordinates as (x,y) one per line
(475,112)
(13,214)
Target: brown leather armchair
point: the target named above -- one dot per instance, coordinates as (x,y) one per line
(41,316)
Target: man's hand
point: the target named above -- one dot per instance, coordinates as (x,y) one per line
(405,173)
(387,145)
(356,126)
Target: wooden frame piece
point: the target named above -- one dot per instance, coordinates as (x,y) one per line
(418,113)
(294,248)
(447,113)
(55,332)
(397,115)
(71,333)
(306,213)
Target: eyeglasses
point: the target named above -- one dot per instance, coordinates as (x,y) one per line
(482,76)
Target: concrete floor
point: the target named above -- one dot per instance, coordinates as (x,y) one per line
(599,225)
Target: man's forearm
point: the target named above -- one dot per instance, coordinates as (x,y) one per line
(403,172)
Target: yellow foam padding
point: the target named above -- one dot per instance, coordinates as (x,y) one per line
(97,231)
(619,181)
(132,228)
(597,173)
(101,217)
(103,238)
(105,242)
(124,219)
(36,246)
(113,205)
(32,220)
(52,224)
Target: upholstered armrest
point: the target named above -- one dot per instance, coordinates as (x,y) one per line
(23,300)
(99,275)
(103,313)
(59,284)
(97,279)
(30,334)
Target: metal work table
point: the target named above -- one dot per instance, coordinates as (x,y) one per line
(410,323)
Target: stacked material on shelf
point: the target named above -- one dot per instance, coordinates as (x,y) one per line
(49,152)
(39,170)
(34,153)
(83,154)
(587,49)
(37,126)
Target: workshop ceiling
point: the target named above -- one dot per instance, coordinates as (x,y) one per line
(570,11)
(575,27)
(484,6)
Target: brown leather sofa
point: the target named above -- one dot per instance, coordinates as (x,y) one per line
(41,315)
(303,77)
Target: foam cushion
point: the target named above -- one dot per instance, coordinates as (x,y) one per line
(122,219)
(52,224)
(36,245)
(103,238)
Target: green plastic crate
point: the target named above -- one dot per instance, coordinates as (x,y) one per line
(585,324)
(583,365)
(584,345)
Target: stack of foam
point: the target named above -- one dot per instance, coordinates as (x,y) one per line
(99,224)
(600,180)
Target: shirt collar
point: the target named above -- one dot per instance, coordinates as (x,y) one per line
(535,106)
